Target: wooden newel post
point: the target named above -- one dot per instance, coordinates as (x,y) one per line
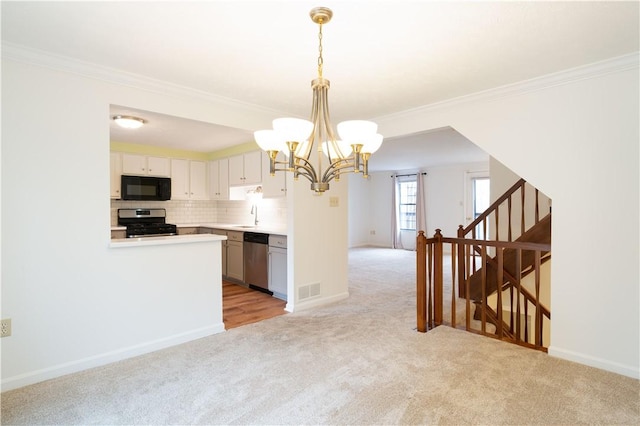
(437,278)
(461,271)
(421,281)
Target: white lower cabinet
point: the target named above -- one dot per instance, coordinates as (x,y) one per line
(278,266)
(235,253)
(223,246)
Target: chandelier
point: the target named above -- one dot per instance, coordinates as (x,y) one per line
(298,138)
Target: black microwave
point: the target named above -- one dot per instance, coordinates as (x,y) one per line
(146,188)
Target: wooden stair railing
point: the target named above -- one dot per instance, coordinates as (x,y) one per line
(479,275)
(481,225)
(430,288)
(539,233)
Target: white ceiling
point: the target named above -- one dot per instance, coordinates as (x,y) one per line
(381,57)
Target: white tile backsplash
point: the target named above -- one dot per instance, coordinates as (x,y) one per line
(271,211)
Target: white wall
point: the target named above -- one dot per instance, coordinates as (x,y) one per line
(575,137)
(445,193)
(73,301)
(359,211)
(370,210)
(317,244)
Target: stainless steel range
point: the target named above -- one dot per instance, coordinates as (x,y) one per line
(145,222)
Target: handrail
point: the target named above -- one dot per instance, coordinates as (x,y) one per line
(430,277)
(494,206)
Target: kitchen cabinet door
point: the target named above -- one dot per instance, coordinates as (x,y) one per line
(116,172)
(133,164)
(253,167)
(278,272)
(179,179)
(158,166)
(198,180)
(236,170)
(235,261)
(141,165)
(273,186)
(188,180)
(219,179)
(245,169)
(223,246)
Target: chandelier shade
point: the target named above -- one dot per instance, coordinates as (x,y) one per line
(293,129)
(372,144)
(356,131)
(269,140)
(298,138)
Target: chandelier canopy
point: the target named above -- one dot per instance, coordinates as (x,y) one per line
(298,138)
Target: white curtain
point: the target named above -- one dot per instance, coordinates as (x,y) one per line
(421,204)
(396,241)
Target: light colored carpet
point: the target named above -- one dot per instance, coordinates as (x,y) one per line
(354,362)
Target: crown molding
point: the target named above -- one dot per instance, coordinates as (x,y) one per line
(112,75)
(572,75)
(41,58)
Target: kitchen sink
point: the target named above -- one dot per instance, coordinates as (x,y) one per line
(246,226)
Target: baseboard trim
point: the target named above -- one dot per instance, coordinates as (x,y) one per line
(602,364)
(108,357)
(314,303)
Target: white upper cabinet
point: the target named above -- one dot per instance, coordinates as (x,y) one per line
(273,186)
(219,179)
(116,172)
(198,180)
(245,169)
(179,179)
(134,164)
(188,180)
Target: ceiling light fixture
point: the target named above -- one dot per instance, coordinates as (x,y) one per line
(297,138)
(128,121)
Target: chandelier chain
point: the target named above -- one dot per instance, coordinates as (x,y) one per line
(320,60)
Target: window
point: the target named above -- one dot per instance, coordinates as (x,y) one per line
(407,204)
(481,197)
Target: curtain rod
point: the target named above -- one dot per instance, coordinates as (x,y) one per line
(412,174)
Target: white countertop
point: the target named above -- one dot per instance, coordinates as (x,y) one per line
(263,229)
(165,240)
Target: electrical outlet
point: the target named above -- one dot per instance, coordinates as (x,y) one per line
(333,201)
(6,327)
(372,232)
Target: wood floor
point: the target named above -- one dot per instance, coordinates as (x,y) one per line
(242,305)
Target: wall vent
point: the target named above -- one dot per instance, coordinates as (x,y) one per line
(309,291)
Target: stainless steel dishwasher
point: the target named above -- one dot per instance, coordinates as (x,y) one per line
(256,252)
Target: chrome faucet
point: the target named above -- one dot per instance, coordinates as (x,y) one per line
(254,209)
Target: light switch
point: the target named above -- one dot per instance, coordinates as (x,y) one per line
(333,201)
